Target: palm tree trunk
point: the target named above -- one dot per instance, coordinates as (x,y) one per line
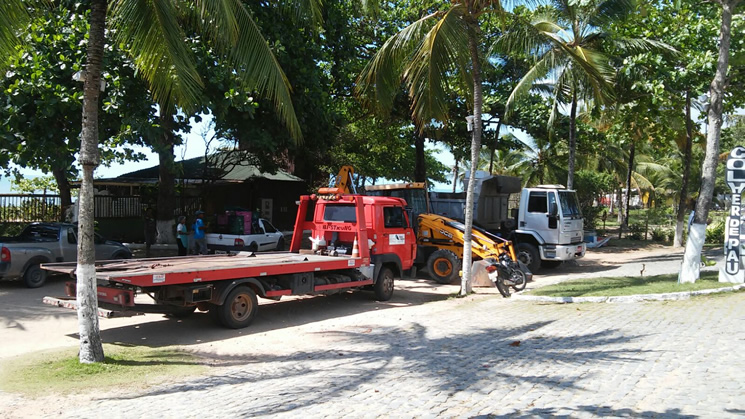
(632,152)
(65,196)
(690,269)
(683,202)
(420,170)
(455,175)
(465,283)
(91,347)
(166,173)
(572,140)
(494,147)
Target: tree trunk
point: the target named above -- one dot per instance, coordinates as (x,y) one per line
(572,140)
(166,182)
(420,169)
(455,175)
(91,347)
(619,205)
(63,185)
(683,200)
(690,269)
(494,147)
(465,282)
(628,186)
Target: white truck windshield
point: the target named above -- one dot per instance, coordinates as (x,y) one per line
(569,205)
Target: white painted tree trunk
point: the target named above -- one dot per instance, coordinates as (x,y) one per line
(678,240)
(475,152)
(91,347)
(691,266)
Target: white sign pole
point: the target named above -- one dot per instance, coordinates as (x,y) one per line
(734,231)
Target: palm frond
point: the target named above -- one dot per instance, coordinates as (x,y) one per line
(380,80)
(538,71)
(14,16)
(260,71)
(440,52)
(612,10)
(151,32)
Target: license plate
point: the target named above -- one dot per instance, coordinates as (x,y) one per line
(221,252)
(579,249)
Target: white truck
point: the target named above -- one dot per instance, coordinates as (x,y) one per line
(263,237)
(547,224)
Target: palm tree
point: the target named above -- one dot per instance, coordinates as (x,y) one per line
(14,16)
(439,50)
(158,50)
(567,43)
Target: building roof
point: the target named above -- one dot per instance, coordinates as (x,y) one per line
(223,168)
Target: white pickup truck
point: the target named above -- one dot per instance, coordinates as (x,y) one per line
(264,237)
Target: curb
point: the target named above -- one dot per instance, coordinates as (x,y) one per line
(628,298)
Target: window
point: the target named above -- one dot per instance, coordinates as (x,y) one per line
(394,217)
(569,205)
(537,202)
(41,233)
(268,227)
(340,213)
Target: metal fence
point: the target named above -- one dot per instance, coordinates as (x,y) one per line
(17,208)
(20,208)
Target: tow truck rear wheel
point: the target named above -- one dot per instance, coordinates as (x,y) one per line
(384,285)
(238,310)
(528,254)
(443,266)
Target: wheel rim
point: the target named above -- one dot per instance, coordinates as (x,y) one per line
(240,307)
(388,284)
(525,258)
(442,267)
(519,278)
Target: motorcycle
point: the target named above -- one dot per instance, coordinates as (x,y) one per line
(506,273)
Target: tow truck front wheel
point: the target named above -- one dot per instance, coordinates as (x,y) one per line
(238,310)
(384,285)
(443,266)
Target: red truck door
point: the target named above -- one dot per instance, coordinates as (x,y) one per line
(397,237)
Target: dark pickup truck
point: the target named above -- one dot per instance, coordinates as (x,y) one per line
(39,243)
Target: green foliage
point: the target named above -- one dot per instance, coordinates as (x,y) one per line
(590,187)
(715,232)
(660,234)
(33,185)
(636,231)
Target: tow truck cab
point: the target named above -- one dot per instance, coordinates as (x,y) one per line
(387,229)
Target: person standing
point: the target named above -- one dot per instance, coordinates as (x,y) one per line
(200,242)
(182,236)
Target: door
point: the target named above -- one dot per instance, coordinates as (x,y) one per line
(268,235)
(397,235)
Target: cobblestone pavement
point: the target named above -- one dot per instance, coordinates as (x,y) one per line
(479,356)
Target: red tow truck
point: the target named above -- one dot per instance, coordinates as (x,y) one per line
(358,242)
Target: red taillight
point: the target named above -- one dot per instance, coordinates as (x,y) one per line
(5,255)
(491,268)
(238,243)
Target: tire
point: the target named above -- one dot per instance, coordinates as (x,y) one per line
(121,255)
(239,308)
(518,277)
(384,285)
(528,254)
(443,266)
(34,277)
(280,244)
(551,264)
(502,288)
(253,247)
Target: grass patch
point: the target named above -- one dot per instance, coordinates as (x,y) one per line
(615,286)
(59,372)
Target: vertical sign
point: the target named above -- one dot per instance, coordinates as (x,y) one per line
(267,209)
(734,233)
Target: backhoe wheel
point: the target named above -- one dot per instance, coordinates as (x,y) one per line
(528,254)
(239,308)
(384,285)
(443,266)
(34,277)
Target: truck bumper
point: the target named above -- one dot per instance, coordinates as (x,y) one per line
(563,252)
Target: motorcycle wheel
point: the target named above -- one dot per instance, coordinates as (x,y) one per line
(518,277)
(503,289)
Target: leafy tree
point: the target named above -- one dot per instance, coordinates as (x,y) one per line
(42,104)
